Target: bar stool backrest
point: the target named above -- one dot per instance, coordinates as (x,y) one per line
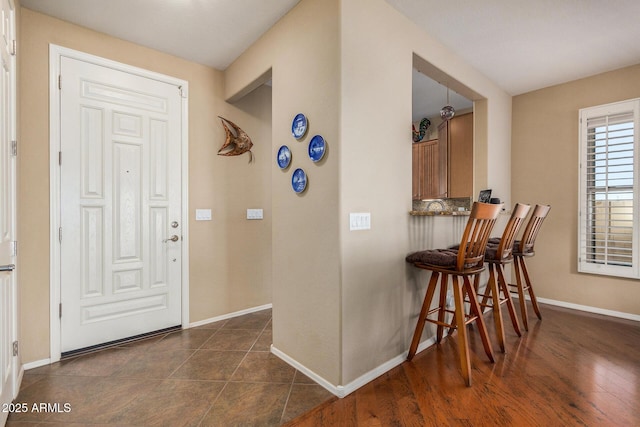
(476,235)
(531,231)
(505,248)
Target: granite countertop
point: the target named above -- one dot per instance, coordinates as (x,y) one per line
(460,206)
(445,207)
(440,213)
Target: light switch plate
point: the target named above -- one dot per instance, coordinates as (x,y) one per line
(360,221)
(254,214)
(203,214)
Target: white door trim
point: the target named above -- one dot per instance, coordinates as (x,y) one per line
(55,53)
(12,125)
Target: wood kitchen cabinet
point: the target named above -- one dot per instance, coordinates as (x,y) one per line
(460,174)
(443,167)
(425,169)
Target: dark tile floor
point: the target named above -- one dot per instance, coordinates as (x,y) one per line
(220,374)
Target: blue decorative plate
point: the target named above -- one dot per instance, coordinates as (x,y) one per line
(284,157)
(317,148)
(299,126)
(299,180)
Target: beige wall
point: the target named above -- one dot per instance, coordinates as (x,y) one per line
(381,295)
(230,257)
(345,302)
(545,170)
(302,52)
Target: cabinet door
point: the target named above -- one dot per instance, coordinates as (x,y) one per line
(461,156)
(443,159)
(430,174)
(425,169)
(415,167)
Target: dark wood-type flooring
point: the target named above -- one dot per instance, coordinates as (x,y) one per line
(570,369)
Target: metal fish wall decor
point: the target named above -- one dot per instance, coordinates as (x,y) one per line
(236,144)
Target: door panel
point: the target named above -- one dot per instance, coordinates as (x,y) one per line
(8,281)
(120,192)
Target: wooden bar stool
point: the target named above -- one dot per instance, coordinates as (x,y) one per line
(499,253)
(524,249)
(467,261)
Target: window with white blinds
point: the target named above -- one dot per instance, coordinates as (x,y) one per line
(609,190)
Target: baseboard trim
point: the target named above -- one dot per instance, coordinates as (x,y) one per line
(36,364)
(589,309)
(424,345)
(230,315)
(344,390)
(333,389)
(384,368)
(19,378)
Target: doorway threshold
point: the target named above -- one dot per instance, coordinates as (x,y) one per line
(86,350)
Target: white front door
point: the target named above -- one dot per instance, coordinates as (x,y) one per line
(8,304)
(120,204)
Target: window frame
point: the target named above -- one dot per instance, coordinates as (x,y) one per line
(587,193)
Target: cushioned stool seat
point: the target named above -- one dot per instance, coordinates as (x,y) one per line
(441,257)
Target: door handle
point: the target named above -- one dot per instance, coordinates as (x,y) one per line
(8,267)
(173,238)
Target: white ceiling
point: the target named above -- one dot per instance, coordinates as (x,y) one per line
(524,45)
(210,32)
(521,45)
